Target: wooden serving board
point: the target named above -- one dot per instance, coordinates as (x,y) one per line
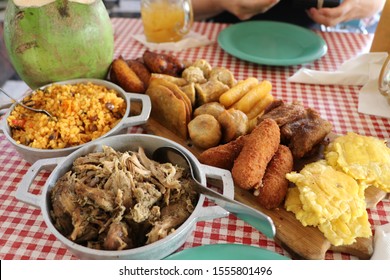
(301,242)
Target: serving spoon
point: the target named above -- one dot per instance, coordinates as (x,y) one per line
(27,107)
(248,214)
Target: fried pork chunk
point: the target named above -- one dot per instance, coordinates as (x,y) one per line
(301,129)
(305,133)
(284,113)
(115,201)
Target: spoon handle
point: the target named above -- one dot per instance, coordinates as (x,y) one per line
(255,218)
(3,91)
(27,107)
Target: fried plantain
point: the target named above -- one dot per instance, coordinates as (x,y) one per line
(141,70)
(125,77)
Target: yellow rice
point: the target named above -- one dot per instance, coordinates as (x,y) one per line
(82,112)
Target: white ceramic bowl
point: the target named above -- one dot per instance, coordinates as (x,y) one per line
(156,250)
(33,154)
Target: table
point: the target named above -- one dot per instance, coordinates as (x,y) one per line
(23,233)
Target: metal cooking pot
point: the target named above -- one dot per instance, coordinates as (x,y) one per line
(156,250)
(33,154)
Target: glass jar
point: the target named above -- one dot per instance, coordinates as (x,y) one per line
(384,79)
(166,20)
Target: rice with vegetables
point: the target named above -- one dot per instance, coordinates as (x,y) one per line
(82,112)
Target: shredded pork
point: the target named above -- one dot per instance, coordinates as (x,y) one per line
(114,201)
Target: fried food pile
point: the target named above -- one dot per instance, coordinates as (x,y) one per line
(329,193)
(264,143)
(230,115)
(198,102)
(114,201)
(189,105)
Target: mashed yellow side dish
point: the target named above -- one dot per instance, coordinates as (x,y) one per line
(366,159)
(82,112)
(329,193)
(330,200)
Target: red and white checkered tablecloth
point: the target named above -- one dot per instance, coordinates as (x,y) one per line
(23,233)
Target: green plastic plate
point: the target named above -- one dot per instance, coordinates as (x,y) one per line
(272,43)
(225,252)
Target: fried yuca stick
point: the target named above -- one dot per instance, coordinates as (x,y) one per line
(260,106)
(253,96)
(232,95)
(259,148)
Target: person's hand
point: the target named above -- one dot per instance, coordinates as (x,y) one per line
(245,9)
(347,10)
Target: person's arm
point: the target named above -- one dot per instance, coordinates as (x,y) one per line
(347,10)
(204,9)
(243,9)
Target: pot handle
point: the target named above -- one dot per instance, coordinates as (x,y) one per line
(3,121)
(22,192)
(5,106)
(219,174)
(2,126)
(145,113)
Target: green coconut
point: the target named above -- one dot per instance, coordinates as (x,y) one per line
(56,40)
